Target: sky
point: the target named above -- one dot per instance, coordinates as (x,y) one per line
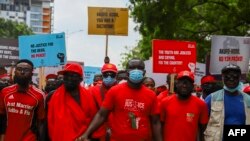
(71,17)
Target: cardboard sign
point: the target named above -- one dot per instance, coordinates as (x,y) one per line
(170,56)
(229,49)
(43,50)
(107,21)
(200,71)
(9,53)
(89,73)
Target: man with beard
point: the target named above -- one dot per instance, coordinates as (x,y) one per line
(183,111)
(133,108)
(71,107)
(99,92)
(228,106)
(23,104)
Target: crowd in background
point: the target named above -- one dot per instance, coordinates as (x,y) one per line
(120,105)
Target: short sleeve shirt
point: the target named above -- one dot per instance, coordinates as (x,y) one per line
(131,110)
(22,109)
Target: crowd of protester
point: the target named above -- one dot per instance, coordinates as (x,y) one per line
(120,105)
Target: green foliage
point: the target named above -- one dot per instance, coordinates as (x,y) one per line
(248,77)
(10,29)
(190,20)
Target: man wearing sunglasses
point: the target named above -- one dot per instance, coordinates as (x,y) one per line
(133,107)
(109,72)
(228,106)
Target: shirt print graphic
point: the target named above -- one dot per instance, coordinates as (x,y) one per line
(133,106)
(190,117)
(19,108)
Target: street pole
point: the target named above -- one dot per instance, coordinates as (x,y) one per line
(106,50)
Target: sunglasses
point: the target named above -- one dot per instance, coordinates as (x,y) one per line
(231,76)
(26,70)
(106,74)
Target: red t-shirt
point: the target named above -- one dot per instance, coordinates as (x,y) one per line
(162,95)
(181,118)
(127,105)
(21,109)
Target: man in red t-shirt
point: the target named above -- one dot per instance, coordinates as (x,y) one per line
(23,104)
(98,92)
(183,112)
(133,108)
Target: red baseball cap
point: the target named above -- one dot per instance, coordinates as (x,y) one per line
(51,76)
(207,79)
(186,73)
(198,89)
(72,67)
(109,67)
(246,89)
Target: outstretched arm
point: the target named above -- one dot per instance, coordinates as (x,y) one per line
(98,120)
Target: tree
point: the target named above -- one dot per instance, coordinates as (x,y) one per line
(10,29)
(192,20)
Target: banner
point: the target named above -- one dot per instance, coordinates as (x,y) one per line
(9,53)
(159,78)
(107,21)
(170,56)
(200,71)
(43,50)
(229,49)
(89,73)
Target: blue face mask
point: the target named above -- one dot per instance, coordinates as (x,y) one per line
(136,76)
(238,88)
(108,81)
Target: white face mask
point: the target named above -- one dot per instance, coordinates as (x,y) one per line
(238,88)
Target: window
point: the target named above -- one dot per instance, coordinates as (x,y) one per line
(7,7)
(17,8)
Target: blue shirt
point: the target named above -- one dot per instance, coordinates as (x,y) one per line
(234,109)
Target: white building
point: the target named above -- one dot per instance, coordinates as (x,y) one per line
(37,14)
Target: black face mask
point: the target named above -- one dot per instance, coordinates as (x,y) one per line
(59,83)
(49,88)
(3,85)
(208,89)
(71,81)
(70,86)
(22,81)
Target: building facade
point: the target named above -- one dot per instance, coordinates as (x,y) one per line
(37,14)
